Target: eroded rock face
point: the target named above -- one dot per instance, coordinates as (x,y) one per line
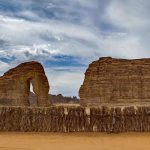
(116,81)
(15,85)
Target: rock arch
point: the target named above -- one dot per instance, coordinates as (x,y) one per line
(15,85)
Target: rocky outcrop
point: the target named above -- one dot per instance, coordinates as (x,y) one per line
(63,99)
(15,85)
(54,99)
(116,81)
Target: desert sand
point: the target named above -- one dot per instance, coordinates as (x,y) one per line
(74,141)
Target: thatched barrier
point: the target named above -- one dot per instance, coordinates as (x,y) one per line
(75,119)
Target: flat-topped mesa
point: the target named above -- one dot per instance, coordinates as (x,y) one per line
(116,81)
(15,85)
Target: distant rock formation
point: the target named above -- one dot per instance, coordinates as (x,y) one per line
(53,99)
(116,81)
(15,85)
(63,99)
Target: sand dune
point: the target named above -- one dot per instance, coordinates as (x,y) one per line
(74,141)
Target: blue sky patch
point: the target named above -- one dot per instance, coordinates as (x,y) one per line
(64,61)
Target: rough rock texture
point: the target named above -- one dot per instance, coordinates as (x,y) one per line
(75,119)
(15,85)
(116,81)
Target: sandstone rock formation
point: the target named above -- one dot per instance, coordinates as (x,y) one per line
(15,85)
(116,81)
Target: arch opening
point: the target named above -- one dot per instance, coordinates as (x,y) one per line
(32,97)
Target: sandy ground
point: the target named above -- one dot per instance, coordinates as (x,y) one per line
(74,141)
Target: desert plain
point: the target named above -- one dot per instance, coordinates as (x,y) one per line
(74,141)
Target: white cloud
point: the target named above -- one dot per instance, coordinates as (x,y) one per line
(85,29)
(129,14)
(66,82)
(4,67)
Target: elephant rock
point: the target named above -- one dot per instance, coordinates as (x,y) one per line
(15,85)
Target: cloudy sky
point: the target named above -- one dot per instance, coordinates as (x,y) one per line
(66,35)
